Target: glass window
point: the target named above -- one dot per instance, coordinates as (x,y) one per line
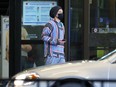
(31,56)
(35,14)
(102,21)
(103,14)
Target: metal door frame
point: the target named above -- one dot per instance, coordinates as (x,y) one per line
(86,28)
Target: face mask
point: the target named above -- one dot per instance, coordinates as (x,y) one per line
(60,16)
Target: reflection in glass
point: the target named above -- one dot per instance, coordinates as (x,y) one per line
(76,29)
(35,14)
(34,32)
(102,14)
(31,56)
(102,20)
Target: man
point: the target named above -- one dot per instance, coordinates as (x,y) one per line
(53,37)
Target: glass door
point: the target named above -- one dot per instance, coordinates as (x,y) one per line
(76,29)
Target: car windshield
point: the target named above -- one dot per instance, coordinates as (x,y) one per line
(109,56)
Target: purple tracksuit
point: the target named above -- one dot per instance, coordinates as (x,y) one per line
(53,51)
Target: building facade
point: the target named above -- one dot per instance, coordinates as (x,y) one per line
(90,29)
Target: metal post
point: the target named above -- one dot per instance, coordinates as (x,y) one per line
(86,28)
(67,27)
(14,37)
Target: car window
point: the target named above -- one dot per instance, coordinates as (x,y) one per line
(110,56)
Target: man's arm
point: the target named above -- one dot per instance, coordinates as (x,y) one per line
(46,34)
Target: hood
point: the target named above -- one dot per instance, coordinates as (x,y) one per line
(84,69)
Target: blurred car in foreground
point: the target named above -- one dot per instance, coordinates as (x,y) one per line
(71,72)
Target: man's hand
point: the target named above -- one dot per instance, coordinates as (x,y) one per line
(61,42)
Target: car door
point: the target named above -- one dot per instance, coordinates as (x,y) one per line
(112,72)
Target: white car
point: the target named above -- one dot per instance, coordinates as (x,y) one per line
(70,74)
